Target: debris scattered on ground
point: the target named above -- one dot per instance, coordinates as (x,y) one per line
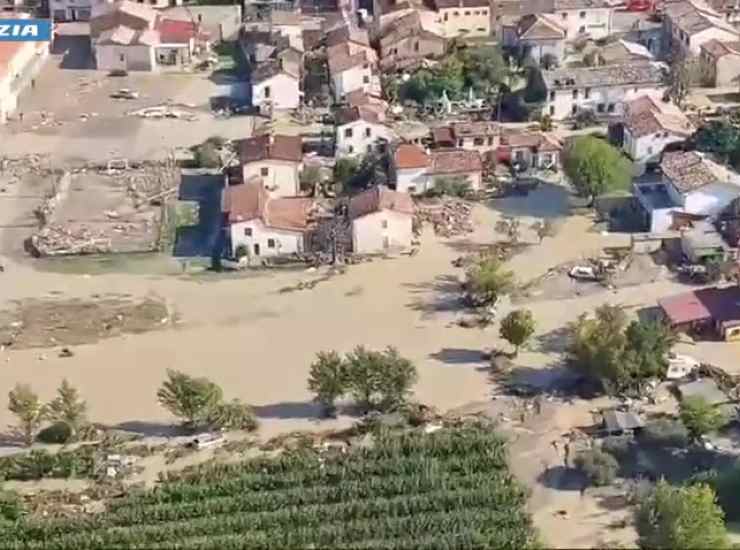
(449,217)
(163,111)
(36,323)
(55,240)
(125,93)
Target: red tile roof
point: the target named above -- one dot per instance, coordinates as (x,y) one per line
(456,161)
(410,156)
(380,198)
(250,201)
(288,148)
(172,31)
(716,304)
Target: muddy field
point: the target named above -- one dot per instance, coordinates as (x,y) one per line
(38,323)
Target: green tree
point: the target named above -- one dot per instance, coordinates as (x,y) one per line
(484,68)
(69,408)
(517,327)
(328,379)
(379,380)
(344,170)
(594,167)
(600,467)
(310,176)
(681,518)
(646,350)
(487,280)
(450,186)
(678,79)
(28,409)
(190,399)
(701,417)
(232,415)
(720,137)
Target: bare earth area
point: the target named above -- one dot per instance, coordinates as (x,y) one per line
(258,343)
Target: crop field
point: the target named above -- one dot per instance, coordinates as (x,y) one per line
(446,490)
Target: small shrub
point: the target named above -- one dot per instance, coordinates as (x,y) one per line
(11,506)
(665,432)
(600,467)
(59,432)
(617,445)
(232,415)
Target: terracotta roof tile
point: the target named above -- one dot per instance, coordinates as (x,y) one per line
(288,148)
(455,161)
(687,170)
(380,198)
(410,156)
(250,201)
(346,115)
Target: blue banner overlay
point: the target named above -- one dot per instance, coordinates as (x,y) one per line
(25,30)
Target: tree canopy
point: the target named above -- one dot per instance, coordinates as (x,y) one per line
(621,356)
(487,280)
(31,413)
(328,379)
(69,407)
(720,137)
(681,518)
(701,417)
(595,167)
(517,327)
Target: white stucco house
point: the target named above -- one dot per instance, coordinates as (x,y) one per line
(602,90)
(83,10)
(721,62)
(382,220)
(689,24)
(584,18)
(360,129)
(276,160)
(274,87)
(414,170)
(20,62)
(540,34)
(288,24)
(479,136)
(353,72)
(650,124)
(463,18)
(259,226)
(690,184)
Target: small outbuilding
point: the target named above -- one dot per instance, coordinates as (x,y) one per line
(619,422)
(712,308)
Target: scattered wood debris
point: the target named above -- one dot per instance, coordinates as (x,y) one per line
(449,217)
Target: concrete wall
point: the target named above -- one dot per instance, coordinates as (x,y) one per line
(599,100)
(465,22)
(128,58)
(282,178)
(596,23)
(285,242)
(727,71)
(21,70)
(412,180)
(540,48)
(364,135)
(369,235)
(648,148)
(283,92)
(356,78)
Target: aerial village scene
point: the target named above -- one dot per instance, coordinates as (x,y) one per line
(370,274)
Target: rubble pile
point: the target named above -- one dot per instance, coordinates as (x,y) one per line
(55,240)
(163,111)
(449,217)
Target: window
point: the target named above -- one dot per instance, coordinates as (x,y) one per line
(122,58)
(478,141)
(384,224)
(581,30)
(600,107)
(368,131)
(366,66)
(498,18)
(447,16)
(575,94)
(482,29)
(587,93)
(270,243)
(552,110)
(348,132)
(467,13)
(564,15)
(574,109)
(460,142)
(582,15)
(650,150)
(369,148)
(350,149)
(610,108)
(519,156)
(416,46)
(490,140)
(267,91)
(552,96)
(455,13)
(264,171)
(366,79)
(635,90)
(484,12)
(247,231)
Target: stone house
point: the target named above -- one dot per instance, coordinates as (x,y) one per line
(472,136)
(540,35)
(721,62)
(538,150)
(382,220)
(689,24)
(463,18)
(584,18)
(276,159)
(406,42)
(360,130)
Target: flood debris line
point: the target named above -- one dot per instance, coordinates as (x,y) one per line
(36,323)
(449,217)
(164,111)
(56,240)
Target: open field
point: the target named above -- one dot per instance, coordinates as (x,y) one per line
(258,343)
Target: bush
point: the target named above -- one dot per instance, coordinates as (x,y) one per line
(665,432)
(232,415)
(59,432)
(207,156)
(617,445)
(599,466)
(456,186)
(11,506)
